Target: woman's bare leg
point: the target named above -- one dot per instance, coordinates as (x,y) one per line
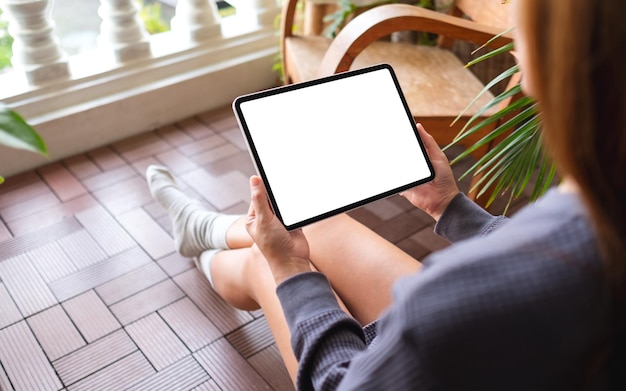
(360,265)
(243,279)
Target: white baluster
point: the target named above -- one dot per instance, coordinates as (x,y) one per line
(121,30)
(266,11)
(36,51)
(196,20)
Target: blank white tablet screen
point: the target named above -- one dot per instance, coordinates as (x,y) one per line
(332,145)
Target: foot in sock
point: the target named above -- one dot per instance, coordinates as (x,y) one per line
(195,228)
(203,263)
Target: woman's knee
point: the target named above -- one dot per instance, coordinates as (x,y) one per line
(258,273)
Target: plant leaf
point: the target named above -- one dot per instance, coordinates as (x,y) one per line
(502,49)
(512,107)
(503,76)
(516,120)
(494,38)
(518,155)
(16,133)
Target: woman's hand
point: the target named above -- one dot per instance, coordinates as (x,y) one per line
(287,253)
(433,197)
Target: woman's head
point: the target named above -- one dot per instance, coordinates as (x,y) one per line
(573,57)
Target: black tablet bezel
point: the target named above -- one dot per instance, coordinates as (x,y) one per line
(287,88)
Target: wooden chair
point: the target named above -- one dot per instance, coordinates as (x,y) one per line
(435,81)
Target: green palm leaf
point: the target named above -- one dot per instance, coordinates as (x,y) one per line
(517,155)
(16,133)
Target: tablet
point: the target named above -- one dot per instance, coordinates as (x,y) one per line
(327,146)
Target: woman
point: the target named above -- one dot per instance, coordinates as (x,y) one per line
(534,302)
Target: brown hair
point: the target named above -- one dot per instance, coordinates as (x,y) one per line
(577,54)
(576,50)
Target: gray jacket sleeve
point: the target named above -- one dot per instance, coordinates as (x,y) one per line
(464,219)
(324,339)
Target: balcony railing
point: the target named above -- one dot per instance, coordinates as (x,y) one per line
(133,81)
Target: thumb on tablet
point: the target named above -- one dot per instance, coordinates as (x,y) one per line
(259,203)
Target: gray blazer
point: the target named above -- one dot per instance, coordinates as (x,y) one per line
(518,304)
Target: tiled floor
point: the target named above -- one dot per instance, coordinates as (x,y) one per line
(92,293)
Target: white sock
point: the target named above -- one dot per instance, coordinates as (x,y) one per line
(195,228)
(203,263)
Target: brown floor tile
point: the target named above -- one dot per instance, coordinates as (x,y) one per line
(20,188)
(219,120)
(98,274)
(62,182)
(51,262)
(51,215)
(55,332)
(147,301)
(140,167)
(154,240)
(413,248)
(197,288)
(174,136)
(5,383)
(203,145)
(29,207)
(430,240)
(82,249)
(195,129)
(141,147)
(91,316)
(24,361)
(184,374)
(8,309)
(105,230)
(93,357)
(400,227)
(190,324)
(106,159)
(117,376)
(109,178)
(23,243)
(240,162)
(175,264)
(157,341)
(124,195)
(228,122)
(208,386)
(229,370)
(4,232)
(384,209)
(251,338)
(214,155)
(30,292)
(131,283)
(222,192)
(155,210)
(81,166)
(235,137)
(176,162)
(270,365)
